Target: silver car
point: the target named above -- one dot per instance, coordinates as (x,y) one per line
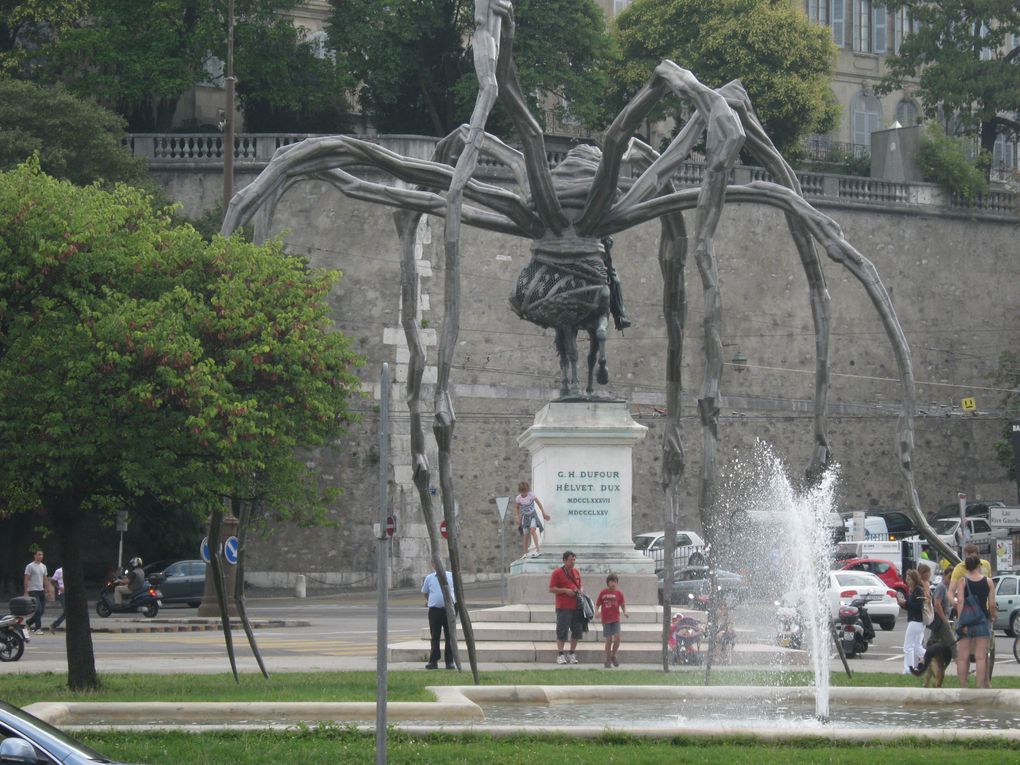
(1007,602)
(25,738)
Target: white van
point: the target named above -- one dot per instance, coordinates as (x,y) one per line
(875,527)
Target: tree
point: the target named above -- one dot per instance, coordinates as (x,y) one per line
(76,139)
(956,54)
(139,62)
(1007,378)
(783,61)
(138,359)
(29,27)
(414,63)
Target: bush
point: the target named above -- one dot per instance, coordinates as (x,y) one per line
(943,160)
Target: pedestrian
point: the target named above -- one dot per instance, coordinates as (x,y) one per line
(438,623)
(527,516)
(960,569)
(58,585)
(609,605)
(941,634)
(974,597)
(913,646)
(565,584)
(35,585)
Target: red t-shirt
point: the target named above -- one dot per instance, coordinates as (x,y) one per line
(560,578)
(611,602)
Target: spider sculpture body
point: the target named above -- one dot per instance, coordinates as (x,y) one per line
(568,213)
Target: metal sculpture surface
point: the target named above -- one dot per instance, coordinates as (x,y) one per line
(568,212)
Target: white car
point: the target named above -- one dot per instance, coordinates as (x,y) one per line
(689,550)
(844,586)
(979,531)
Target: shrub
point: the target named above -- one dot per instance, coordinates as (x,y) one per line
(944,160)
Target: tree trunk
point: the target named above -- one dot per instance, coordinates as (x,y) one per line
(81,659)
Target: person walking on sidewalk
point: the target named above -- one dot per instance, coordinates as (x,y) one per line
(58,584)
(438,624)
(609,605)
(565,584)
(35,585)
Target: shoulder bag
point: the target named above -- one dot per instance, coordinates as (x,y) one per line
(971,612)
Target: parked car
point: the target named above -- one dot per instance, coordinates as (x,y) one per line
(24,738)
(844,586)
(184,582)
(974,509)
(980,531)
(1007,602)
(693,581)
(689,549)
(883,569)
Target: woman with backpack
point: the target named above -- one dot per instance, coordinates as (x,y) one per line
(974,597)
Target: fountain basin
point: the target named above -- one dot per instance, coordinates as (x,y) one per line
(646,711)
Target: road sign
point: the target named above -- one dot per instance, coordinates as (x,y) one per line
(442,529)
(1004,517)
(122,520)
(204,550)
(391,526)
(502,503)
(230,550)
(968,404)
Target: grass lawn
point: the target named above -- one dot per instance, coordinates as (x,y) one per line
(333,744)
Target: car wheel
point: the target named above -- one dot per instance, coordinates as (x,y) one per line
(1014,625)
(150,610)
(103,608)
(888,624)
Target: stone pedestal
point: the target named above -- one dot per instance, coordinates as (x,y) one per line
(581,470)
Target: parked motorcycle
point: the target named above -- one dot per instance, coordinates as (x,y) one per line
(791,629)
(855,628)
(146,600)
(13,634)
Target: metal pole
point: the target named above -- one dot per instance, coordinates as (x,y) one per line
(228,128)
(502,562)
(120,552)
(382,566)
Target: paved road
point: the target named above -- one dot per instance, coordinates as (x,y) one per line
(339,632)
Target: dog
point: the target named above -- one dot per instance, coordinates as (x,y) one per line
(937,657)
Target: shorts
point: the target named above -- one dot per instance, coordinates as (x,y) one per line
(609,629)
(569,618)
(979,630)
(529,521)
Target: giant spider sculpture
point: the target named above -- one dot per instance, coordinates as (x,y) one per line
(568,212)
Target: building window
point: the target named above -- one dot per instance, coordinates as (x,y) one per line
(837,20)
(906,113)
(1004,153)
(818,11)
(866,116)
(862,25)
(879,29)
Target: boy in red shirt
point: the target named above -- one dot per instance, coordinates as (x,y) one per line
(609,604)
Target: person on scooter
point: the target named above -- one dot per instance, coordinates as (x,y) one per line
(131,584)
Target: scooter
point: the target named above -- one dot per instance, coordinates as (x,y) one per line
(856,630)
(791,629)
(147,600)
(12,638)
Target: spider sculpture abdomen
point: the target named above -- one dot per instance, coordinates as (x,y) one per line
(564,285)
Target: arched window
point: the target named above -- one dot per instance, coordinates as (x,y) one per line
(906,113)
(866,118)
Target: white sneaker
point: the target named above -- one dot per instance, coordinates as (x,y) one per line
(572,658)
(561,659)
(532,554)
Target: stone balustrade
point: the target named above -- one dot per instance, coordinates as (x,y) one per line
(252,151)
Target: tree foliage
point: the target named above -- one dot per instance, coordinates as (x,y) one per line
(414,63)
(29,27)
(943,160)
(140,59)
(76,140)
(1007,378)
(783,61)
(138,359)
(966,61)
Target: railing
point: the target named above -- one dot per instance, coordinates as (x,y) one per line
(683,555)
(253,151)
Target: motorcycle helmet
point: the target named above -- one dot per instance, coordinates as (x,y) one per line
(135,563)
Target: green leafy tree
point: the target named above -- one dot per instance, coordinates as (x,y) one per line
(943,159)
(140,59)
(76,139)
(1007,377)
(29,27)
(414,63)
(138,359)
(965,58)
(783,61)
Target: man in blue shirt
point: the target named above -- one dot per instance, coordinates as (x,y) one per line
(433,593)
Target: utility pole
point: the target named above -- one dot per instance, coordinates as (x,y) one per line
(228,127)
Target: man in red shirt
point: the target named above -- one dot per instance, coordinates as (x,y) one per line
(565,584)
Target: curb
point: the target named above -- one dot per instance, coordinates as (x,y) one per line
(197,626)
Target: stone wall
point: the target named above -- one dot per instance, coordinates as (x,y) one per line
(954,283)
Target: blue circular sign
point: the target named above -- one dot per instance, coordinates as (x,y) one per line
(230,550)
(204,550)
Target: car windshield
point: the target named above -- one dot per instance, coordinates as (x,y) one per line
(946,525)
(642,543)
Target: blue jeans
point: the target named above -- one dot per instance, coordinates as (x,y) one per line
(40,609)
(60,619)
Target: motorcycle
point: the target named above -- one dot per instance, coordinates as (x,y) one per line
(147,600)
(12,638)
(791,628)
(855,628)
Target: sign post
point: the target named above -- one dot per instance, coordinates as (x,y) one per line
(963,522)
(384,530)
(1014,439)
(501,506)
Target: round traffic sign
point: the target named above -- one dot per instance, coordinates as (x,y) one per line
(442,529)
(391,526)
(230,550)
(204,550)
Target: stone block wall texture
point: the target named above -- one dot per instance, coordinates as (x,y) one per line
(954,283)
